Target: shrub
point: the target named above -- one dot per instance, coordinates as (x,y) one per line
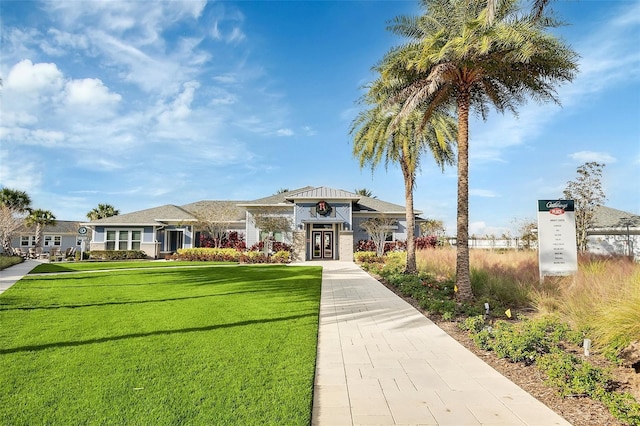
(570,376)
(207,254)
(253,257)
(116,254)
(229,240)
(422,243)
(281,256)
(276,246)
(367,257)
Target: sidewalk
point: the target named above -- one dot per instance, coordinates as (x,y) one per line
(381,362)
(9,276)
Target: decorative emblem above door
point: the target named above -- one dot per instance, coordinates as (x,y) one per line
(323,208)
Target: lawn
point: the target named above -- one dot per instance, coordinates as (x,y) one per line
(210,345)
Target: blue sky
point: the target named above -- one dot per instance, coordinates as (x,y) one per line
(139,104)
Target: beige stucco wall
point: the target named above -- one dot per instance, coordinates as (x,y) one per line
(346,245)
(299,254)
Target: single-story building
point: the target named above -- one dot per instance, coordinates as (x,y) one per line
(63,235)
(614,232)
(322,223)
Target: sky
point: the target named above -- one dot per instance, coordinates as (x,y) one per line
(139,104)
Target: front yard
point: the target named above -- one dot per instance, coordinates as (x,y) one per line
(223,345)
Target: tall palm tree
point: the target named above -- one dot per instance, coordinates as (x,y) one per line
(469,62)
(377,138)
(102,211)
(14,204)
(40,218)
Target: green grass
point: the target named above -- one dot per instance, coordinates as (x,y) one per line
(45,268)
(215,345)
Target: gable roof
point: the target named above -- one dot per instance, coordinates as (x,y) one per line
(232,209)
(606,217)
(236,210)
(153,216)
(61,227)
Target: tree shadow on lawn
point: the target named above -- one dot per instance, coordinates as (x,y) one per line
(152,333)
(125,302)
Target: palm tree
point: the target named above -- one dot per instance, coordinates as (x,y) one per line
(102,211)
(40,218)
(469,62)
(14,203)
(365,193)
(18,201)
(377,138)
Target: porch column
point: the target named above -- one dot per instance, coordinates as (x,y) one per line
(346,245)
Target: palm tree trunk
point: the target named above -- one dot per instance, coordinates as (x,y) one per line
(411,267)
(463,279)
(38,235)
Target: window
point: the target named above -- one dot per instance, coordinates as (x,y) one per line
(123,239)
(27,240)
(277,236)
(52,240)
(111,240)
(136,238)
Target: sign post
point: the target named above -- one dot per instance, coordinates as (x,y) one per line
(83,237)
(557,248)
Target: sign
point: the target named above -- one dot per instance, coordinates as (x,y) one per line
(323,208)
(82,230)
(557,248)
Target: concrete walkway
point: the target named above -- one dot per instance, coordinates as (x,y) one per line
(10,275)
(381,362)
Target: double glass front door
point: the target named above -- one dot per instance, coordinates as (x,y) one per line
(322,242)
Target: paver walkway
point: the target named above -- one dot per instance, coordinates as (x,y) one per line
(381,362)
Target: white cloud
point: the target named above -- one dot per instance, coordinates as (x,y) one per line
(588,156)
(180,108)
(486,193)
(27,177)
(89,92)
(284,132)
(25,76)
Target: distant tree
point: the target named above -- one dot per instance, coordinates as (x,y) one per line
(216,221)
(433,227)
(587,193)
(40,218)
(378,229)
(102,211)
(270,221)
(282,190)
(14,204)
(365,193)
(527,232)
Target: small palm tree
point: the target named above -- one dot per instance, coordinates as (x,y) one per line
(14,204)
(365,193)
(468,61)
(102,211)
(40,218)
(378,135)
